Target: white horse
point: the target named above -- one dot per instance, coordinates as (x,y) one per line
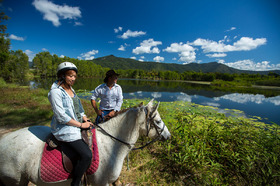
(21,150)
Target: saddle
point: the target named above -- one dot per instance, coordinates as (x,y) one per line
(68,157)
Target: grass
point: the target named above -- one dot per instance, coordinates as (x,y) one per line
(20,106)
(206,148)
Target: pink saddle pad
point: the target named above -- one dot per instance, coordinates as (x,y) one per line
(52,170)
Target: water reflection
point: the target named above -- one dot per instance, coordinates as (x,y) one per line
(251,105)
(254,102)
(245,98)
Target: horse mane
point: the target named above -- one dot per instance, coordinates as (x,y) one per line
(124,110)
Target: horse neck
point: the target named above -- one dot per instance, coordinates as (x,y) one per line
(125,126)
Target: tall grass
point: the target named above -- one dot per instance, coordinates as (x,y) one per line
(209,148)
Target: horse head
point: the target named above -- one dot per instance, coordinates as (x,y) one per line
(154,127)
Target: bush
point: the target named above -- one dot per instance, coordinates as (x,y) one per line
(207,148)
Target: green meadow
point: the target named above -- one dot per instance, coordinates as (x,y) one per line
(206,147)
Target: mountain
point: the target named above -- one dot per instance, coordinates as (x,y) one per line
(116,63)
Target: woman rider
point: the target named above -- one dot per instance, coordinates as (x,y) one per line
(69,117)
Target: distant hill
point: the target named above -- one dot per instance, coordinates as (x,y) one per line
(114,62)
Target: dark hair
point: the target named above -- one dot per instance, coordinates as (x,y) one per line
(110,73)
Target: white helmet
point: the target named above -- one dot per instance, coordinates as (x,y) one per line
(64,66)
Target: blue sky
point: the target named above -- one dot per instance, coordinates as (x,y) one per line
(243,34)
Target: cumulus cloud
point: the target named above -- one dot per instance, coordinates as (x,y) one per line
(217,55)
(89,55)
(244,44)
(186,51)
(30,54)
(121,48)
(117,30)
(147,46)
(133,57)
(251,65)
(14,37)
(130,33)
(53,12)
(158,59)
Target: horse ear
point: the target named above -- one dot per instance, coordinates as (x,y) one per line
(151,102)
(155,108)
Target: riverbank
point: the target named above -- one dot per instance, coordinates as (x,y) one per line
(206,148)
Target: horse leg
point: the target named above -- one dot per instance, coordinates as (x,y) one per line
(117,182)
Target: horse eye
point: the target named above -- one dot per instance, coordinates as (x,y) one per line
(158,122)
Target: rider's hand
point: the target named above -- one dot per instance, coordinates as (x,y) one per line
(112,113)
(86,124)
(99,113)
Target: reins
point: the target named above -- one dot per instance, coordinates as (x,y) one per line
(130,145)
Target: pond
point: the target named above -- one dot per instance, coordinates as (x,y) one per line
(253,102)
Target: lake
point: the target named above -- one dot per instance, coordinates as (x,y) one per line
(253,102)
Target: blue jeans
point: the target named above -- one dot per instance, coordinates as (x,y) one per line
(100,119)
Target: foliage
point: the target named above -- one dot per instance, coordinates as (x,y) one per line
(45,65)
(4,47)
(208,148)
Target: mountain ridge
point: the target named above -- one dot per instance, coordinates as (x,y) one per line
(117,63)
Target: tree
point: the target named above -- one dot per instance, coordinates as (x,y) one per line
(4,47)
(17,65)
(43,64)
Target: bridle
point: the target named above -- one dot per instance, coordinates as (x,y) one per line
(149,122)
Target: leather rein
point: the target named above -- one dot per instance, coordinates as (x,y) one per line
(148,121)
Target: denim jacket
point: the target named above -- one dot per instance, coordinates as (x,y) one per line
(63,110)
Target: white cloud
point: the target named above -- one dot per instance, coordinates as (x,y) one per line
(142,57)
(30,54)
(147,46)
(133,57)
(119,29)
(232,28)
(14,37)
(130,33)
(186,51)
(158,59)
(251,65)
(121,48)
(217,55)
(54,13)
(89,55)
(244,44)
(61,56)
(78,24)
